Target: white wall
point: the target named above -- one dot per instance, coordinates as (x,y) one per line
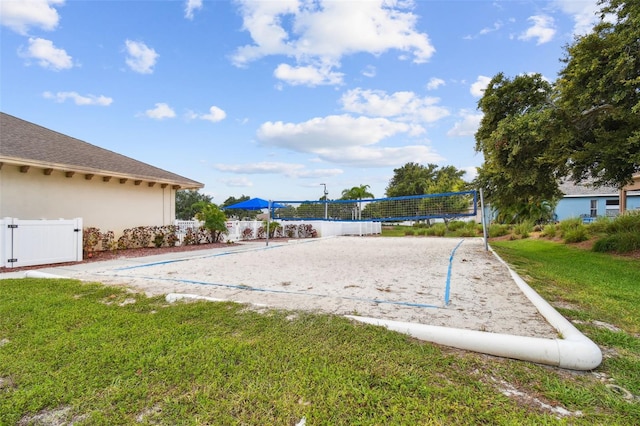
(109,206)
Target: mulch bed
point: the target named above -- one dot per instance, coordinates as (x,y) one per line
(119,254)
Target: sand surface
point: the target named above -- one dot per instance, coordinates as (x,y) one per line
(402,279)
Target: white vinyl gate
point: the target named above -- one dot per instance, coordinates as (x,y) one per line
(39,242)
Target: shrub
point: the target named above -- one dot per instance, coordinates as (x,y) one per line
(569,224)
(465,232)
(628,222)
(523,228)
(600,225)
(126,240)
(409,232)
(171,235)
(247,233)
(215,222)
(142,236)
(158,239)
(430,232)
(439,229)
(576,235)
(422,232)
(90,239)
(306,231)
(290,231)
(498,230)
(454,225)
(621,242)
(549,231)
(469,229)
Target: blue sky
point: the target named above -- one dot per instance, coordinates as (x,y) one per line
(273,98)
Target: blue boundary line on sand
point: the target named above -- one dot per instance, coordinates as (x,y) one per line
(265,290)
(184,259)
(241,287)
(447,289)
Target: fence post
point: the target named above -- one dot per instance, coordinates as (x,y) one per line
(79,239)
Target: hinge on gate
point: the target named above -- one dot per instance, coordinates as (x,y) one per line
(12,226)
(12,260)
(76,230)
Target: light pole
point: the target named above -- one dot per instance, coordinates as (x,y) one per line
(325,200)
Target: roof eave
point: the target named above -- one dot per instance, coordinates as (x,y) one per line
(175,183)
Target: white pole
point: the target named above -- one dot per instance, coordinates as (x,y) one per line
(268,221)
(484,223)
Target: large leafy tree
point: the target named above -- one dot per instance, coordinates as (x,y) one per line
(518,136)
(187,202)
(418,179)
(599,91)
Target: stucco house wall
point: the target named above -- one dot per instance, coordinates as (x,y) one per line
(47,175)
(589,202)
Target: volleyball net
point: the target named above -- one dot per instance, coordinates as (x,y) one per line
(450,205)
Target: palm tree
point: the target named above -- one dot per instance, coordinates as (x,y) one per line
(357,193)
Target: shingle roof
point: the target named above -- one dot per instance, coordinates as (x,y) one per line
(570,188)
(23,141)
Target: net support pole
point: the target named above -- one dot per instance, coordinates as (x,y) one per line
(484,222)
(268,223)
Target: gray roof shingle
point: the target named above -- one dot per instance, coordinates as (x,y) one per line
(22,140)
(586,188)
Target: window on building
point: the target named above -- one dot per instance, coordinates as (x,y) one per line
(612,207)
(594,208)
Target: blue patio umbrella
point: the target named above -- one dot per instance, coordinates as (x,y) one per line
(254,204)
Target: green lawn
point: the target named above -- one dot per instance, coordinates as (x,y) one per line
(90,354)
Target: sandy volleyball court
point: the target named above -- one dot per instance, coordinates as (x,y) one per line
(402,279)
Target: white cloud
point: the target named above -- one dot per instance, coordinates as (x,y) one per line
(319,173)
(141,58)
(215,114)
(287,169)
(78,99)
(434,83)
(481,83)
(470,173)
(160,112)
(405,106)
(332,132)
(584,14)
(369,71)
(496,26)
(542,29)
(307,75)
(237,182)
(191,6)
(47,55)
(344,139)
(321,33)
(364,156)
(468,125)
(19,15)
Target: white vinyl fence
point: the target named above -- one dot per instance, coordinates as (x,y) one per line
(248,229)
(39,242)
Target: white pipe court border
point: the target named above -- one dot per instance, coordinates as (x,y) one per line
(573,351)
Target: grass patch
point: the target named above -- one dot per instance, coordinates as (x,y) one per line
(603,292)
(608,286)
